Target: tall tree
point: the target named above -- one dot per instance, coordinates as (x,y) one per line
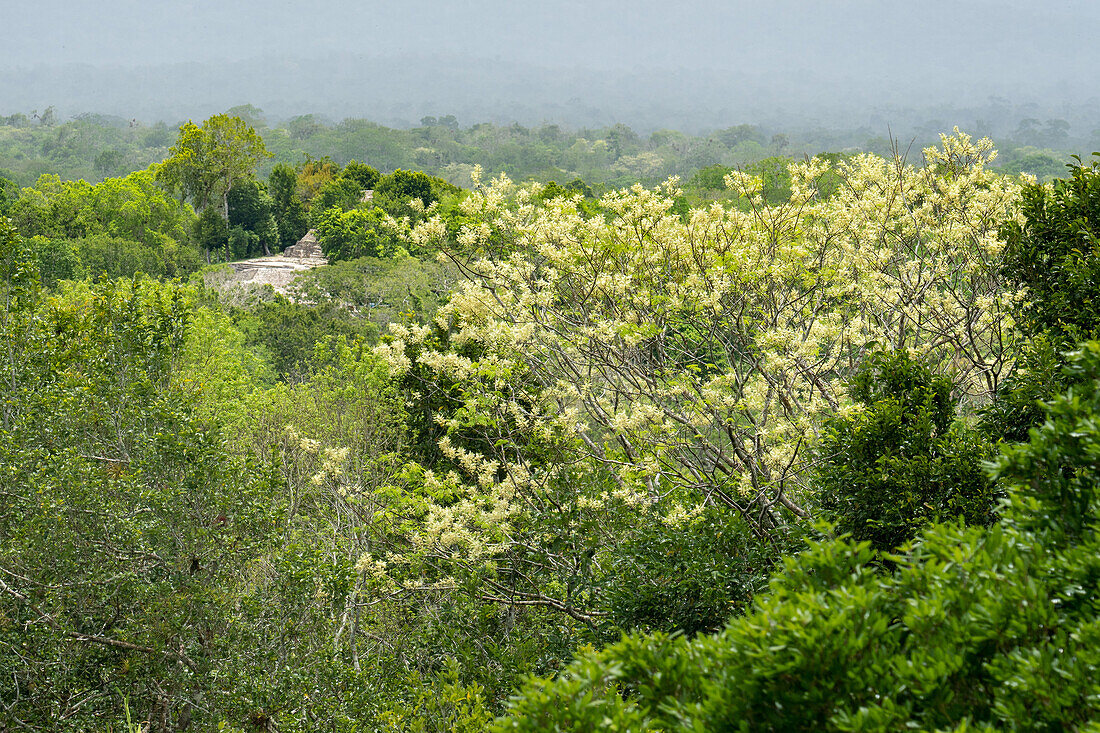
(206,161)
(287,207)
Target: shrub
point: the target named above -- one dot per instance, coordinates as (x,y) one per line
(899,461)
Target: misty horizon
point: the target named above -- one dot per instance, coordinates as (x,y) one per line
(694,67)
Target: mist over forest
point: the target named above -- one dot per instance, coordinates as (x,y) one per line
(694,67)
(398,91)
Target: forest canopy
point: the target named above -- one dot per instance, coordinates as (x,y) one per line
(814,450)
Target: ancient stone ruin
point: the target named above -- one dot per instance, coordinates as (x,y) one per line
(306,248)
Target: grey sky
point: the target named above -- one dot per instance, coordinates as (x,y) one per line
(991,38)
(413,57)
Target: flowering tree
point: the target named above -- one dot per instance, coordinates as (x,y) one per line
(693,359)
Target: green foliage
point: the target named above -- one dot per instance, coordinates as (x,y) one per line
(8,192)
(133,207)
(243,519)
(380,290)
(211,232)
(994,628)
(579,186)
(287,207)
(340,193)
(59,259)
(712,178)
(347,189)
(92,146)
(100,255)
(252,209)
(125,521)
(899,462)
(1056,254)
(110,162)
(444,706)
(242,243)
(362,174)
(112,257)
(395,191)
(775,175)
(346,235)
(88,147)
(285,333)
(1043,164)
(312,175)
(1017,405)
(118,227)
(207,161)
(690,577)
(709,182)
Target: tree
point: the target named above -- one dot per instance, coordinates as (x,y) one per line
(113,226)
(8,193)
(109,161)
(732,136)
(976,629)
(379,291)
(775,178)
(712,177)
(206,161)
(252,209)
(20,291)
(48,118)
(125,522)
(695,359)
(395,191)
(211,232)
(313,174)
(363,174)
(1054,251)
(900,462)
(340,193)
(346,235)
(287,333)
(287,207)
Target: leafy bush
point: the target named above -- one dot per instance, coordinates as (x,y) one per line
(58,259)
(287,206)
(361,173)
(211,232)
(899,462)
(688,577)
(1055,253)
(346,235)
(380,290)
(342,193)
(1017,406)
(285,333)
(125,521)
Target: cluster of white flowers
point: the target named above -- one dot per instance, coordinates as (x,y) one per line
(704,353)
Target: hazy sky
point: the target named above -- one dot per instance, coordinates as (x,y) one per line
(688,60)
(1054,38)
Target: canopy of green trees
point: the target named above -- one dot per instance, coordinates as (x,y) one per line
(799,446)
